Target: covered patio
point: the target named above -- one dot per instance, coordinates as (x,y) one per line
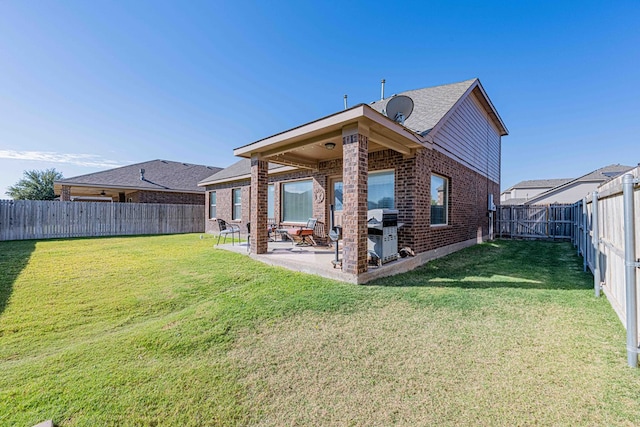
(338,144)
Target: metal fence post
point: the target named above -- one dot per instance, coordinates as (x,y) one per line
(630,271)
(578,216)
(585,231)
(596,244)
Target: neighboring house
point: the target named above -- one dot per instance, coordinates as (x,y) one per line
(523,191)
(576,189)
(438,169)
(155,181)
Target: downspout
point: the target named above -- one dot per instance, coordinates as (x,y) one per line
(630,264)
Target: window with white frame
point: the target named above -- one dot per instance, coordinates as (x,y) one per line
(381,190)
(237,204)
(212,205)
(297,201)
(439,200)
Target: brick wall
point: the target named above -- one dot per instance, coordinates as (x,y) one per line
(468,193)
(224,205)
(467,201)
(165,197)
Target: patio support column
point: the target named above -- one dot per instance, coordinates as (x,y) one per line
(65,193)
(259,183)
(355,170)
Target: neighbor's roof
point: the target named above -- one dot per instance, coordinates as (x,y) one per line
(540,183)
(239,170)
(606,173)
(158,175)
(431,105)
(601,175)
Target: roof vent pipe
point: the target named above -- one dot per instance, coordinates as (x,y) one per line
(141,174)
(345,101)
(382,89)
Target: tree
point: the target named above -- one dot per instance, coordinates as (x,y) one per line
(36,185)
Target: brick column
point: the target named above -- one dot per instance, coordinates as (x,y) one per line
(259,182)
(355,170)
(65,193)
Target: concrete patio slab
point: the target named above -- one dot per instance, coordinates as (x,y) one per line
(317,260)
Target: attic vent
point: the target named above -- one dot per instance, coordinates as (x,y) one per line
(185,164)
(141,174)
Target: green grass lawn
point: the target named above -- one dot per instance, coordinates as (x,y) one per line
(168,330)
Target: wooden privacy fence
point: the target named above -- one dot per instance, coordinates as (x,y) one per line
(607,235)
(535,221)
(30,219)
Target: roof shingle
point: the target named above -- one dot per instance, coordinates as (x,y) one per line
(430,104)
(158,175)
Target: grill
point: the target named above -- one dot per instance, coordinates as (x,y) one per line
(383,233)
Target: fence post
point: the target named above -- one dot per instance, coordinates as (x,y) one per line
(596,244)
(578,218)
(630,265)
(585,231)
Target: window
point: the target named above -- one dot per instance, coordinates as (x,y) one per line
(271,201)
(237,204)
(337,195)
(439,200)
(212,205)
(297,201)
(381,190)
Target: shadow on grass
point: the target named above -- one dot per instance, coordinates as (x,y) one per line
(14,257)
(500,264)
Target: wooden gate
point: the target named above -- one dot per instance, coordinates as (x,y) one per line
(535,221)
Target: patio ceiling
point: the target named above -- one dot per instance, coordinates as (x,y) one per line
(305,147)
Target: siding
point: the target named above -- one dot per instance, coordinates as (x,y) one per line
(569,194)
(470,137)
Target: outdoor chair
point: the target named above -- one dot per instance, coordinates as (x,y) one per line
(226,229)
(305,234)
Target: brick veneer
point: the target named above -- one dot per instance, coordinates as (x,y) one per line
(468,194)
(65,193)
(258,211)
(165,197)
(355,171)
(149,197)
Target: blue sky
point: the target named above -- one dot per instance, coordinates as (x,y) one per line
(86,86)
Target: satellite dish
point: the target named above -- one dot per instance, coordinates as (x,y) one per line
(399,108)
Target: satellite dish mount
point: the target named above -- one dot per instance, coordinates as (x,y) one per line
(399,108)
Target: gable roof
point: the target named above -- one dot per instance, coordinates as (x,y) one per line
(159,175)
(239,170)
(601,175)
(432,104)
(540,183)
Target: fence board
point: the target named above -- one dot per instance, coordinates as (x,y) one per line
(535,221)
(31,219)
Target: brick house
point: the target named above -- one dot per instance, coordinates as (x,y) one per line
(155,181)
(438,168)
